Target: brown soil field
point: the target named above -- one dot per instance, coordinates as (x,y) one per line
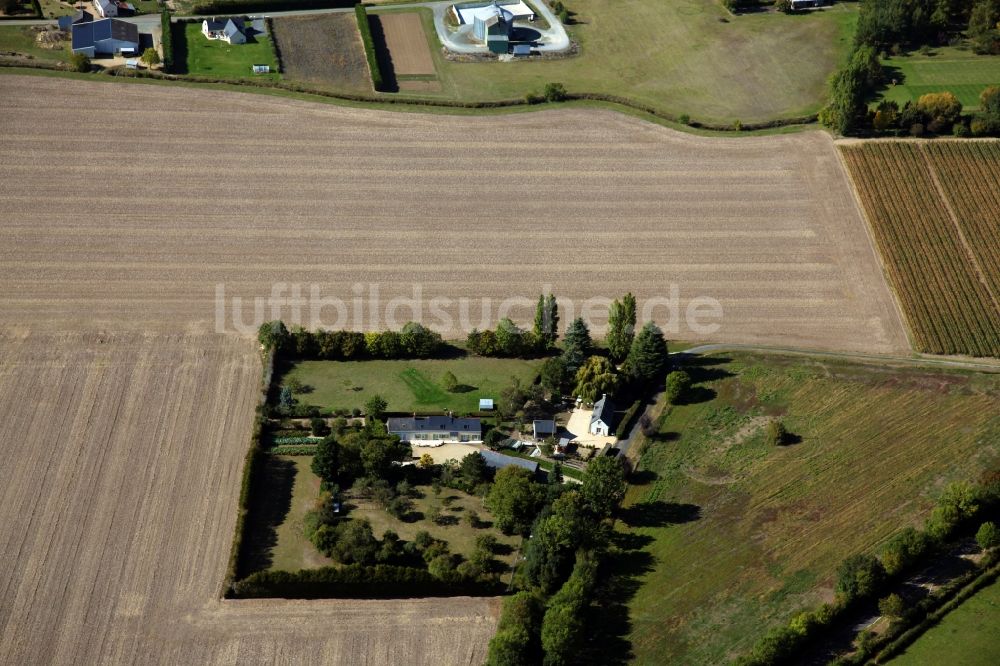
(122,459)
(589,203)
(406,42)
(323,49)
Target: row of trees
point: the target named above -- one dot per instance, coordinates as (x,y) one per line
(865,576)
(412,341)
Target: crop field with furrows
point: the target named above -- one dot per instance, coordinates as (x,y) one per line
(322,49)
(123,455)
(933,212)
(242,195)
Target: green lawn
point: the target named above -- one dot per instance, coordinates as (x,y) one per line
(680,56)
(208,57)
(961,72)
(967,635)
(408,385)
(21,39)
(292,551)
(733,536)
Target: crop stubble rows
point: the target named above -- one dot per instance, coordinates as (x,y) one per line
(246,191)
(944,270)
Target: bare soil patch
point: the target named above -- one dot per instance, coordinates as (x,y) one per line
(591,203)
(324,49)
(406,43)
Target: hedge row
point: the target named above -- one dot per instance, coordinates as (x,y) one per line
(166,41)
(631,416)
(366,38)
(250,463)
(356,581)
(297,440)
(255,6)
(275,49)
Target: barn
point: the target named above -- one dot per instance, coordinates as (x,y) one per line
(106,37)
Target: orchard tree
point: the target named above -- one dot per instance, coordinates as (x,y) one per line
(449,381)
(151,57)
(326,461)
(678,384)
(375,408)
(621,327)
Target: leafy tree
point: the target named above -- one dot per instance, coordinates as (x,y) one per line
(419,341)
(555,475)
(783,6)
(859,576)
(449,381)
(563,624)
(989,102)
(603,486)
(546,321)
(577,346)
(510,338)
(648,358)
(988,535)
(516,641)
(285,399)
(271,334)
(355,543)
(555,92)
(941,110)
(514,500)
(553,374)
(79,62)
(983,26)
(678,384)
(957,503)
(595,377)
(886,115)
(426,461)
(151,57)
(378,453)
(375,408)
(621,327)
(473,470)
(775,433)
(555,539)
(903,550)
(892,606)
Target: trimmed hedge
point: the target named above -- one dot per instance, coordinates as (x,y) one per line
(628,421)
(366,38)
(297,440)
(293,450)
(356,581)
(250,464)
(166,41)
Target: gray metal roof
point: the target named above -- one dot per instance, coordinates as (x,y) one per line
(496,460)
(548,426)
(433,424)
(604,410)
(89,33)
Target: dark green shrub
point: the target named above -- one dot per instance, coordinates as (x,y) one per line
(369,43)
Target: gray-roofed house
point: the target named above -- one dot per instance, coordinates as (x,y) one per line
(435,430)
(105,37)
(543,429)
(67,22)
(229,30)
(602,418)
(106,8)
(498,461)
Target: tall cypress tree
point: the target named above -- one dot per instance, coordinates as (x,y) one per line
(621,327)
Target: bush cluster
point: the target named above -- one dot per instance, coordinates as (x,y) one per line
(413,341)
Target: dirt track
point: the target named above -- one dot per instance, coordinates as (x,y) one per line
(247,191)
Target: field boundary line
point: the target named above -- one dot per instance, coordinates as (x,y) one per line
(873,244)
(958,227)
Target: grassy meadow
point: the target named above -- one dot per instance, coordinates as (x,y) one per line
(21,39)
(408,385)
(210,57)
(683,56)
(728,536)
(967,635)
(961,72)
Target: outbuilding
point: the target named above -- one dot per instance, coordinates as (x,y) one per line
(543,429)
(486,404)
(105,37)
(498,461)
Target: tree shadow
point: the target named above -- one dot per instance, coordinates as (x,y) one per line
(790,439)
(446,521)
(178,37)
(385,64)
(643,477)
(270,502)
(660,514)
(464,388)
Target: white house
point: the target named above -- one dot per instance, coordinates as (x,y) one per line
(436,430)
(602,418)
(229,30)
(106,8)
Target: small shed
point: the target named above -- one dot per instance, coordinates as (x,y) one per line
(132,63)
(486,404)
(261,69)
(543,429)
(522,49)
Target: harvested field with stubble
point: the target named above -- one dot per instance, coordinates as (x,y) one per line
(599,204)
(323,49)
(123,455)
(933,211)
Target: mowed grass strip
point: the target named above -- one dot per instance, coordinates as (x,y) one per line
(408,385)
(967,635)
(961,72)
(949,308)
(214,57)
(736,535)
